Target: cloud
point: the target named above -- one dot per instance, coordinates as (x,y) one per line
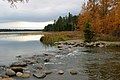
(38,10)
(24,25)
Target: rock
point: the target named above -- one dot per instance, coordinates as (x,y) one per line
(4,76)
(19,64)
(19,56)
(25,75)
(39,75)
(17,69)
(60,46)
(76,45)
(29,61)
(47,72)
(7,79)
(46,54)
(38,66)
(60,72)
(47,59)
(101,45)
(70,46)
(10,72)
(73,72)
(89,44)
(19,74)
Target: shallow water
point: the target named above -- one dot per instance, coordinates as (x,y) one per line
(91,63)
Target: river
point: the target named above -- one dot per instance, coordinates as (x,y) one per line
(91,63)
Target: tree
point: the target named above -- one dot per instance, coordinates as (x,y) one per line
(103,16)
(88,35)
(12,2)
(63,23)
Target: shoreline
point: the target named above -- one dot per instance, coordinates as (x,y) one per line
(51,63)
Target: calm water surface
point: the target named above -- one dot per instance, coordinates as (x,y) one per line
(12,45)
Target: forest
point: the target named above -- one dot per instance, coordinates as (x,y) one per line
(63,24)
(102,15)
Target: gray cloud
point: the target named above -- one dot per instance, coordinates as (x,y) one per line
(38,10)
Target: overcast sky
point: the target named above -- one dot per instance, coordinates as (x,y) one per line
(37,13)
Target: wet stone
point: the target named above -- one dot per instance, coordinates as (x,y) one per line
(10,72)
(19,74)
(19,64)
(17,69)
(25,75)
(40,74)
(60,72)
(73,72)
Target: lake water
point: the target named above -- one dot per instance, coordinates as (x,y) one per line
(12,45)
(91,63)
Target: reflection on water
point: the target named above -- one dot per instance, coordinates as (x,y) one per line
(17,37)
(16,44)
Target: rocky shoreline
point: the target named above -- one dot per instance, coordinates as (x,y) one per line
(36,65)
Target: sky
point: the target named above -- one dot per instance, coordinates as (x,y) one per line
(36,13)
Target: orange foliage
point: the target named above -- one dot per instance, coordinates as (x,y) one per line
(104,16)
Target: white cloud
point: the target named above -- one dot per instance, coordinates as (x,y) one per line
(24,25)
(38,10)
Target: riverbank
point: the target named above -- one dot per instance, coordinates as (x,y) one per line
(73,36)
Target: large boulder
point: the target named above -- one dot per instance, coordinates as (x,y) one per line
(10,72)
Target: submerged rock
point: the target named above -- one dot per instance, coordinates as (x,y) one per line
(10,72)
(40,75)
(29,61)
(18,64)
(25,75)
(38,66)
(73,72)
(47,72)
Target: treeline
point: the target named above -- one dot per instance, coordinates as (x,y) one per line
(10,30)
(63,24)
(103,16)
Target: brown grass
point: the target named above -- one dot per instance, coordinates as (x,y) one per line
(51,37)
(102,37)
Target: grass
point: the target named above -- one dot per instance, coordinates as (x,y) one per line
(102,37)
(114,45)
(51,37)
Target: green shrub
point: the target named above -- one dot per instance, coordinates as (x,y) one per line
(88,35)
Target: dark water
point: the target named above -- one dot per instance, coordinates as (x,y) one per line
(91,63)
